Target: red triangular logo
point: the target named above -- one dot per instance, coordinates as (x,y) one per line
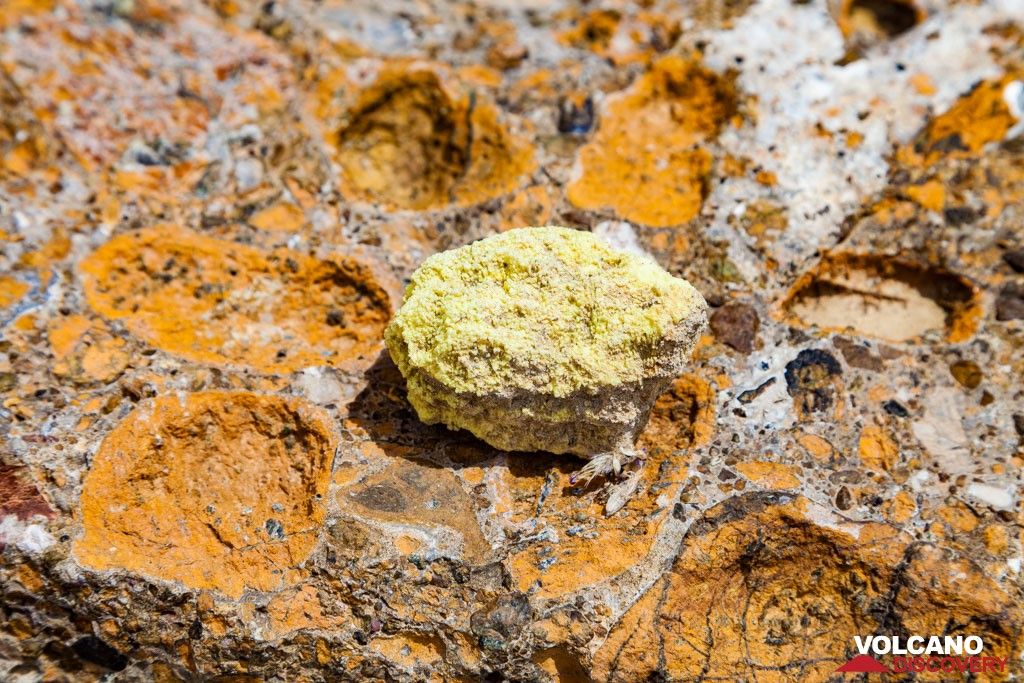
(864,664)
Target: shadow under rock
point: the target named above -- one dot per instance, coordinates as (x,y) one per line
(382,410)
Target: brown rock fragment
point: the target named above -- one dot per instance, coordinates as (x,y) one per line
(1010,302)
(506,53)
(967,373)
(736,325)
(858,355)
(19,496)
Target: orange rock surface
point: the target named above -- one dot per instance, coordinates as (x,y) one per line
(648,161)
(771,586)
(218,302)
(215,490)
(413,141)
(209,470)
(682,417)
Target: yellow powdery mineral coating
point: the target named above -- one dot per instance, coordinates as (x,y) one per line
(548,310)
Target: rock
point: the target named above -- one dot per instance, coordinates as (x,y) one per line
(209,466)
(543,339)
(96,651)
(1010,302)
(813,379)
(736,325)
(208,300)
(895,408)
(966,373)
(858,355)
(507,54)
(877,450)
(1015,259)
(655,137)
(941,432)
(762,580)
(20,497)
(214,490)
(415,140)
(999,498)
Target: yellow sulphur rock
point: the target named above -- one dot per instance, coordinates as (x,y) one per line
(543,339)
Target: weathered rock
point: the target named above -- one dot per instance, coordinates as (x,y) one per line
(774,583)
(649,159)
(1015,259)
(1010,302)
(206,300)
(543,339)
(736,325)
(839,479)
(217,490)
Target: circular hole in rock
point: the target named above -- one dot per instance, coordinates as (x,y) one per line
(878,296)
(878,19)
(410,142)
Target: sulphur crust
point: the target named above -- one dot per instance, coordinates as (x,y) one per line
(543,339)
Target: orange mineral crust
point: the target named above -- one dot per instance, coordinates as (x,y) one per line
(216,490)
(764,580)
(649,161)
(413,140)
(220,302)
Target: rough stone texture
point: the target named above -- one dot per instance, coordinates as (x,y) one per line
(189,189)
(216,490)
(543,339)
(736,325)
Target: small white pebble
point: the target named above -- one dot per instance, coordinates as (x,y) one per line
(991,495)
(248,174)
(29,538)
(319,385)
